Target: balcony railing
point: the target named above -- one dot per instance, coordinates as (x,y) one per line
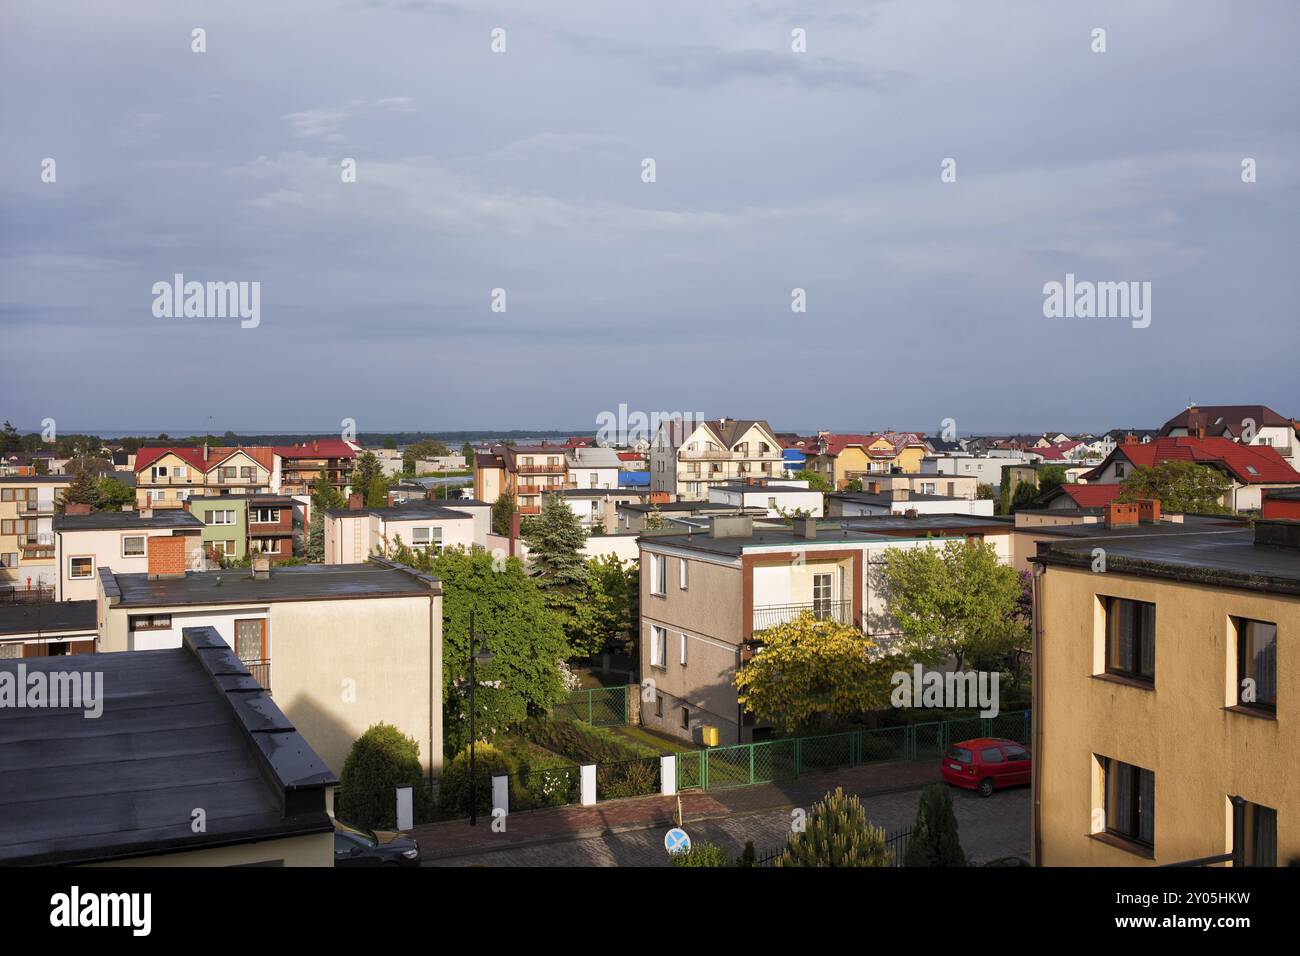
(261,672)
(719,454)
(530,509)
(774,615)
(557,469)
(37,594)
(36,508)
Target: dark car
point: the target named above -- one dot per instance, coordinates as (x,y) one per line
(986,764)
(356,847)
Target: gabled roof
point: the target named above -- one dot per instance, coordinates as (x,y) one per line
(726,431)
(264,456)
(1085,496)
(318,448)
(1248,464)
(147,456)
(1218,420)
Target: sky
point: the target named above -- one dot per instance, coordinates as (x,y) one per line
(523,170)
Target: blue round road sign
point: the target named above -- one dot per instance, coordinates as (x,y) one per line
(676,841)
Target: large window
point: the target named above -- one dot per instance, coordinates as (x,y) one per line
(658,575)
(1260,835)
(823,588)
(1257,665)
(81,567)
(149,622)
(250,639)
(264,516)
(1130,794)
(220,516)
(427,538)
(1131,639)
(133,546)
(658,645)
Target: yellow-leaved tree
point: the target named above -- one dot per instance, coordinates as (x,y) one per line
(810,671)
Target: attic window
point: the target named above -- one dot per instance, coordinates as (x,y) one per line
(1251,469)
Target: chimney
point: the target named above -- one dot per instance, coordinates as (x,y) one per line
(1121,514)
(805,528)
(356,501)
(912,514)
(874,487)
(315,445)
(76,508)
(731,526)
(261,565)
(899,494)
(1130,438)
(1149,510)
(166,556)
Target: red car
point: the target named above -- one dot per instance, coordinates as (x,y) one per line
(986,764)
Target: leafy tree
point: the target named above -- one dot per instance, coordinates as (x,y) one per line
(365,471)
(610,606)
(381,760)
(1025,496)
(377,492)
(9,440)
(1181,486)
(453,785)
(984,492)
(808,668)
(702,854)
(511,616)
(112,495)
(84,489)
(324,497)
(837,833)
(1049,477)
(390,443)
(854,485)
(467,452)
(934,840)
(421,450)
(954,601)
(503,510)
(816,480)
(555,560)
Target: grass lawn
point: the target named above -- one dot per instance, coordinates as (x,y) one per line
(660,742)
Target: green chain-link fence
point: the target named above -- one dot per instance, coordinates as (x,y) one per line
(598,706)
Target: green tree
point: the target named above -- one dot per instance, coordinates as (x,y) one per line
(420,450)
(1180,486)
(467,452)
(654,518)
(837,833)
(954,601)
(381,760)
(84,489)
(364,472)
(112,495)
(555,561)
(1049,477)
(934,840)
(984,492)
(525,636)
(324,497)
(390,443)
(503,510)
(816,480)
(9,440)
(610,606)
(377,493)
(809,669)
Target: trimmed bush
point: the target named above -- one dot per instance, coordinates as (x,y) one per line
(934,840)
(702,854)
(837,833)
(381,760)
(454,783)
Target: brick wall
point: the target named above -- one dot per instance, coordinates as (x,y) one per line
(167,555)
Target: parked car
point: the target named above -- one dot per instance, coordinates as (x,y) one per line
(985,764)
(354,846)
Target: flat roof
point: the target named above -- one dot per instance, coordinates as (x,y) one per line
(926,522)
(764,537)
(179,728)
(599,492)
(406,512)
(47,618)
(705,506)
(36,479)
(1225,558)
(126,520)
(304,582)
(885,498)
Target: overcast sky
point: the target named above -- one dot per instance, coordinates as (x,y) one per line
(522,170)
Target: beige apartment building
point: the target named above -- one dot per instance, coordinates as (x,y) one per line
(338,647)
(122,541)
(352,535)
(28,505)
(688,457)
(1167,697)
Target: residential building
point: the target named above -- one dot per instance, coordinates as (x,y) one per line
(340,647)
(901,501)
(271,526)
(533,471)
(953,486)
(47,630)
(489,475)
(225,525)
(841,459)
(1250,469)
(779,497)
(705,594)
(597,508)
(168,477)
(197,737)
(592,467)
(1166,693)
(986,469)
(28,505)
(354,534)
(1249,424)
(1074,495)
(686,457)
(299,465)
(125,542)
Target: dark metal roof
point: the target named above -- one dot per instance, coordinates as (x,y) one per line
(180,729)
(307,582)
(127,520)
(49,619)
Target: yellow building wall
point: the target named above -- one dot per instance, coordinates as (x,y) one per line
(1200,752)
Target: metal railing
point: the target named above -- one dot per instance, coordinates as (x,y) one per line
(37,594)
(261,672)
(774,615)
(598,706)
(895,843)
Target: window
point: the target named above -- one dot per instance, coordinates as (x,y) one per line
(224,547)
(149,622)
(991,755)
(822,585)
(1260,834)
(658,584)
(133,546)
(659,705)
(771,503)
(1119,469)
(1130,795)
(250,639)
(220,516)
(8,559)
(245,471)
(683,575)
(1256,665)
(266,545)
(1131,639)
(264,516)
(158,473)
(81,567)
(658,648)
(684,639)
(13,650)
(427,538)
(686,719)
(594,479)
(180,471)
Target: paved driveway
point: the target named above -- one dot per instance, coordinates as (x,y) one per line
(996,827)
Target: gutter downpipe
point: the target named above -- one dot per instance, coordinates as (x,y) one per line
(1036,840)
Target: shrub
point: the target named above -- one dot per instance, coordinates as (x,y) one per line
(934,840)
(702,854)
(837,833)
(381,760)
(748,857)
(454,783)
(542,779)
(583,743)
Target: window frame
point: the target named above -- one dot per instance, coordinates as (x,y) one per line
(658,647)
(144,545)
(72,559)
(1113,668)
(1242,626)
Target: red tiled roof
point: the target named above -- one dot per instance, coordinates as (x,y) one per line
(147,456)
(1090,496)
(630,456)
(321,448)
(1249,464)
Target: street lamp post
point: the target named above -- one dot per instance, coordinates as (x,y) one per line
(482,655)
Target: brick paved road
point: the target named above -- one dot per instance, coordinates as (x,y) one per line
(989,828)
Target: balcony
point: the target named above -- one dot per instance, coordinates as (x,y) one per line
(556,469)
(261,672)
(774,615)
(718,454)
(27,508)
(36,594)
(530,509)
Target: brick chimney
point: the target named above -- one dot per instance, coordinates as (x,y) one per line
(1121,514)
(899,494)
(356,501)
(1130,439)
(76,508)
(1148,510)
(166,556)
(514,532)
(805,528)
